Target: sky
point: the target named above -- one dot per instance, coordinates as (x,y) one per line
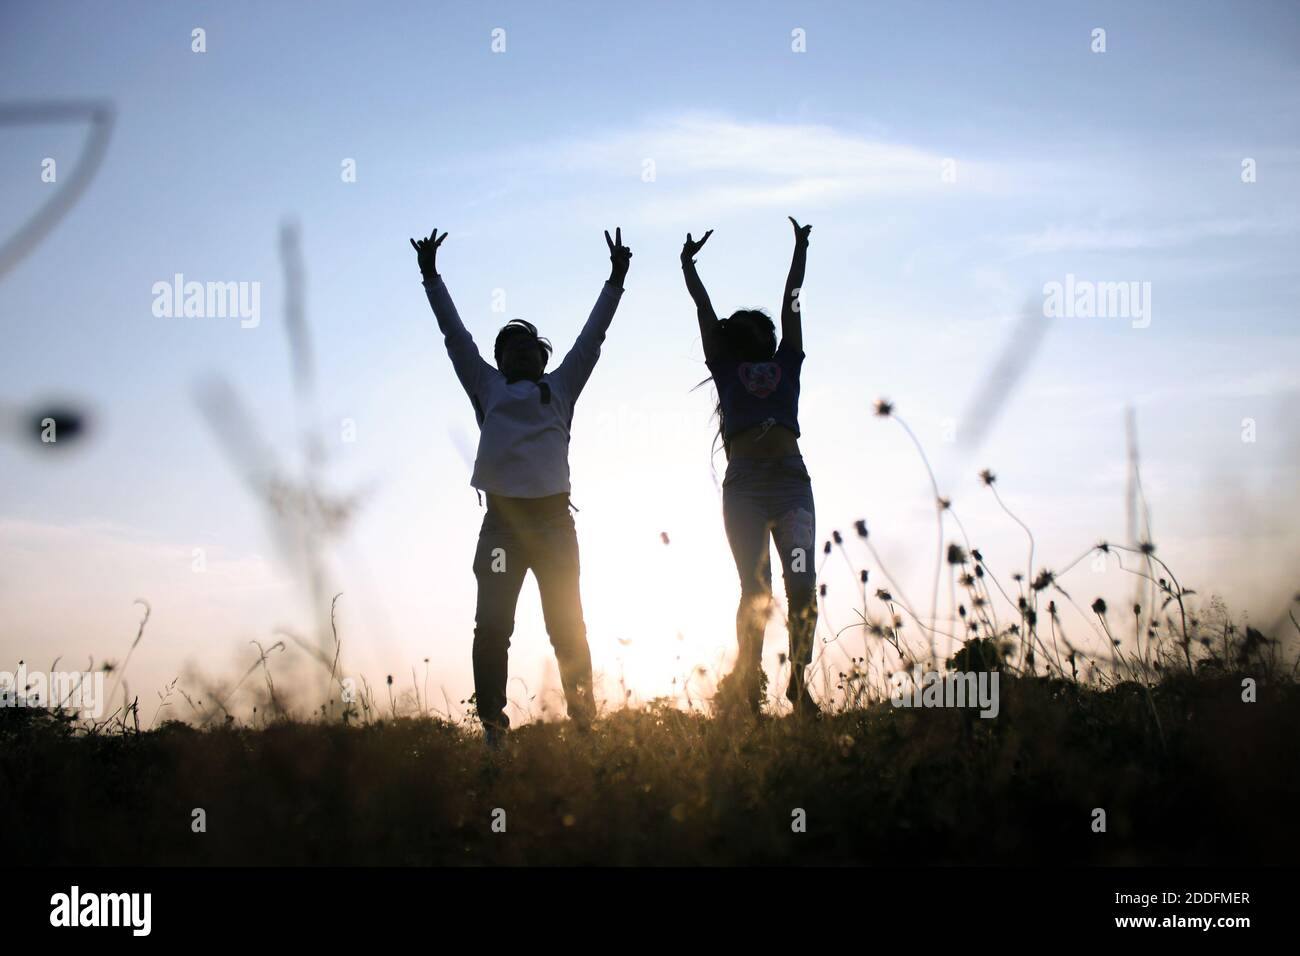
(953,159)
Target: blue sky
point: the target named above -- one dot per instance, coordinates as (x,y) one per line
(1115,166)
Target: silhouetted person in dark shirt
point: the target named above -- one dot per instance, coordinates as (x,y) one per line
(766,491)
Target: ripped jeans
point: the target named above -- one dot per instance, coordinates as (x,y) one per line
(762,497)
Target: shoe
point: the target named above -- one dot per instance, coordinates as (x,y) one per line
(741,691)
(582,713)
(495,737)
(804,705)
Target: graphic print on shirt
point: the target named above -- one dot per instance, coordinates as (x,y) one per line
(760,378)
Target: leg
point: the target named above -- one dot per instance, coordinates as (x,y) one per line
(555,564)
(499,567)
(796,541)
(747,532)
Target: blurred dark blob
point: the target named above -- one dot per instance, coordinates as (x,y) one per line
(58,426)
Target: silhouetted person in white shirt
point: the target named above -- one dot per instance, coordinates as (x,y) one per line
(524,414)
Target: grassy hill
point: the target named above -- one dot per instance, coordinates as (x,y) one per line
(1185,771)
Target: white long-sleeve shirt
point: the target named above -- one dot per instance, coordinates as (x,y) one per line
(523,445)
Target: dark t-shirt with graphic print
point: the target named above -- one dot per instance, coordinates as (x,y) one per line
(755,393)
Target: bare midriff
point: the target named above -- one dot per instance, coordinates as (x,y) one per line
(760,441)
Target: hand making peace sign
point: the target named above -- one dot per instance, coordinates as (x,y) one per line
(620,256)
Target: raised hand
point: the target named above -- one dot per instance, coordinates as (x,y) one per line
(800,232)
(791,324)
(426,251)
(690,248)
(620,257)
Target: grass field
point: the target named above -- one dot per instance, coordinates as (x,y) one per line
(1160,732)
(1185,771)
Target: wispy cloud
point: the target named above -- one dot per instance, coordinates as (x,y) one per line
(712,163)
(1112,238)
(119,559)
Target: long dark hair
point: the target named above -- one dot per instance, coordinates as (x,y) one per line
(748,335)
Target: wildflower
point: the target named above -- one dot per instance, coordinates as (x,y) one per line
(861,527)
(988,477)
(835,535)
(1099,606)
(884,595)
(1147,547)
(1044,580)
(944,503)
(967,580)
(826,548)
(884,407)
(956,554)
(864,575)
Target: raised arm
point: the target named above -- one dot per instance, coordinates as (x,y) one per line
(465,359)
(577,366)
(703,307)
(791,326)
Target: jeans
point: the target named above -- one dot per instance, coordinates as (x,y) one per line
(519,534)
(762,497)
